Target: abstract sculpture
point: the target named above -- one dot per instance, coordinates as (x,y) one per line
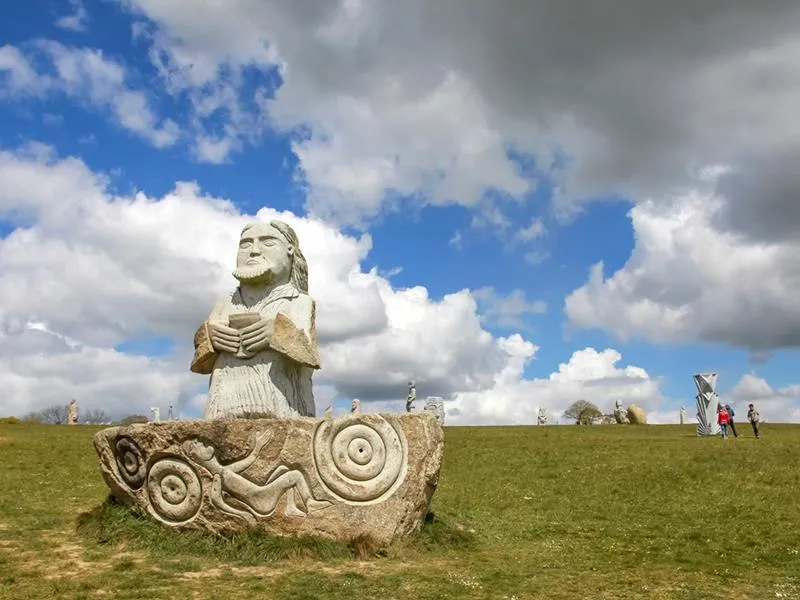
(707,402)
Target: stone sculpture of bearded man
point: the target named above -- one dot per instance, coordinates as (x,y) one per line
(260,345)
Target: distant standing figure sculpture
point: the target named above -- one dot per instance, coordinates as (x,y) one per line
(620,414)
(355,406)
(683,414)
(541,419)
(72,415)
(260,344)
(412,396)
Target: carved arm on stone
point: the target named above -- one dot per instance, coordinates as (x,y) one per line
(204,354)
(211,338)
(259,441)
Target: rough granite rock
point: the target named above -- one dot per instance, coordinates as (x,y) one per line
(371,474)
(636,415)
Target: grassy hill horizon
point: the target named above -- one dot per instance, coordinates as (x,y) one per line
(520,512)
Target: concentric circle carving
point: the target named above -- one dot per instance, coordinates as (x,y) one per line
(174,489)
(360,460)
(130,462)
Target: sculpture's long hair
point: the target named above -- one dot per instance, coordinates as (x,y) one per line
(299,272)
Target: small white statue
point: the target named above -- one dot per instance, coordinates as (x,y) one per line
(683,414)
(412,396)
(541,419)
(259,344)
(156,414)
(355,406)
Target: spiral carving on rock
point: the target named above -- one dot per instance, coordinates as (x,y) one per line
(130,462)
(175,490)
(360,460)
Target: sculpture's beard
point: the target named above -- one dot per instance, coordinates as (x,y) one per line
(254,274)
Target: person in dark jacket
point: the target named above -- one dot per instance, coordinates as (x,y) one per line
(729,408)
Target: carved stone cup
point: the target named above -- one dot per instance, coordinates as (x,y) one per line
(239,321)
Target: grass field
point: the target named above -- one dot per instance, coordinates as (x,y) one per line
(557,512)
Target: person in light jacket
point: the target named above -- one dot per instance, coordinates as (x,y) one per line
(755,419)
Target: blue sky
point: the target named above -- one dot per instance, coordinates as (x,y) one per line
(418,239)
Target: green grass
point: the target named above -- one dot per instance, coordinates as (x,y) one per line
(521,512)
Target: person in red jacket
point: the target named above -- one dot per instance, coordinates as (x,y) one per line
(723,418)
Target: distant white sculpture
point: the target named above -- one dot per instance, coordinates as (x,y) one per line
(355,406)
(707,402)
(170,414)
(156,414)
(72,415)
(435,404)
(412,396)
(259,344)
(683,414)
(541,419)
(620,414)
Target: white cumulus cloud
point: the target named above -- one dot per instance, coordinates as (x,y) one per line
(688,279)
(87,269)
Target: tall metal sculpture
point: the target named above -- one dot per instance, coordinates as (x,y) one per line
(707,402)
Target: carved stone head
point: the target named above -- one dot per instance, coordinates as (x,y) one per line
(198,450)
(269,254)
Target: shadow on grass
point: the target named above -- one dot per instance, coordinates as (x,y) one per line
(113,524)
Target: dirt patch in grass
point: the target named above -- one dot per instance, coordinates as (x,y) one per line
(366,568)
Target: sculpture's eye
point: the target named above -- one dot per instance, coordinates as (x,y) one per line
(245,243)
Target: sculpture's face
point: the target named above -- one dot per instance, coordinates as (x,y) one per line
(264,256)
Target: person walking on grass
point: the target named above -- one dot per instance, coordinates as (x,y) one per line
(731,413)
(755,419)
(722,419)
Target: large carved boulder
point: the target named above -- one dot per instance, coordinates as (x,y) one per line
(371,474)
(636,415)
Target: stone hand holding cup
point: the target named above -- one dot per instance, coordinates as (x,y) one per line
(241,323)
(223,338)
(257,336)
